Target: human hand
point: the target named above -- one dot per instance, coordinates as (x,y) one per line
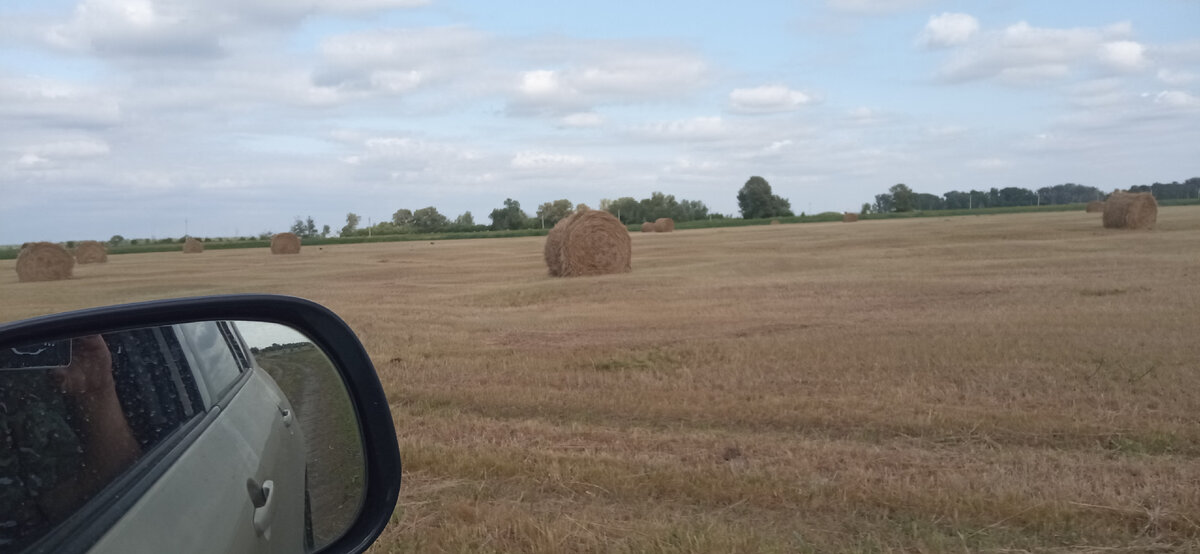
(90,370)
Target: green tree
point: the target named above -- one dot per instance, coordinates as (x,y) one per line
(428,220)
(902,198)
(509,217)
(352,220)
(403,218)
(116,240)
(755,200)
(552,212)
(883,203)
(689,210)
(625,208)
(324,231)
(298,227)
(310,227)
(465,220)
(866,209)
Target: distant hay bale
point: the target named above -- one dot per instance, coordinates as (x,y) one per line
(1095,206)
(664,225)
(285,243)
(193,246)
(776,222)
(590,242)
(91,252)
(849,217)
(44,261)
(648,227)
(1130,210)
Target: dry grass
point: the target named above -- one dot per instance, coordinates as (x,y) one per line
(1010,383)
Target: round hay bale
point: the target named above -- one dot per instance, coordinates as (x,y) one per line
(776,222)
(1125,210)
(91,252)
(664,225)
(44,261)
(553,249)
(849,217)
(592,242)
(1095,206)
(285,243)
(648,227)
(193,246)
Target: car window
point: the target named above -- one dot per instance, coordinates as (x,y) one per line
(212,352)
(69,430)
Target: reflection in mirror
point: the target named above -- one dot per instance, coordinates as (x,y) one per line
(335,458)
(210,411)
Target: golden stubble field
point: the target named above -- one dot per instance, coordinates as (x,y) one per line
(1024,382)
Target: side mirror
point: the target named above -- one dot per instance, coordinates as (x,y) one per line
(239,423)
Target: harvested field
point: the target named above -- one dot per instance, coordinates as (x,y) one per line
(1010,383)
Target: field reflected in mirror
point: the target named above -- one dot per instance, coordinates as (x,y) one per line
(322,406)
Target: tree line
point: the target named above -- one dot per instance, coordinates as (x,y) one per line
(755,200)
(901,198)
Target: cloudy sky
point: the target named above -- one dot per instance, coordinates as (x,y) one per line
(133,117)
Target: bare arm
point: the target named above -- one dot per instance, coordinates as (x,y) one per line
(107,441)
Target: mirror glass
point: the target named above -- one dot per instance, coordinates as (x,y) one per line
(248,421)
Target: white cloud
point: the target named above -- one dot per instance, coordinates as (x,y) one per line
(767,99)
(1024,54)
(874,7)
(591,74)
(949,29)
(83,148)
(1123,55)
(540,82)
(1175,77)
(57,103)
(537,160)
(401,60)
(1177,99)
(145,28)
(696,128)
(583,119)
(989,164)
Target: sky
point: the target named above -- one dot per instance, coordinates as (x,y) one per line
(234,117)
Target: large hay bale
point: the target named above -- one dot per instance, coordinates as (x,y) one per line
(192,246)
(285,243)
(553,249)
(648,227)
(44,261)
(589,242)
(849,217)
(1130,210)
(664,225)
(91,252)
(1095,206)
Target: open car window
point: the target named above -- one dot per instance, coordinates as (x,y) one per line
(68,432)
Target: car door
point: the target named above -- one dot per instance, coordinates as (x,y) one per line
(238,484)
